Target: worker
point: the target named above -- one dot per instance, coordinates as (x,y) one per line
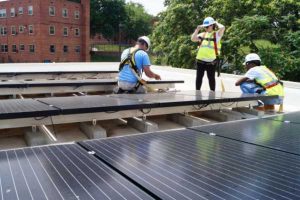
(134,61)
(259,79)
(208,51)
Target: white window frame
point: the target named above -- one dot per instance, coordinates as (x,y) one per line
(12,12)
(30,10)
(20,10)
(50,30)
(66,35)
(64,49)
(12,49)
(54,48)
(30,28)
(77,35)
(20,47)
(33,48)
(21,29)
(50,7)
(77,47)
(76,14)
(3,30)
(11,30)
(67,13)
(3,13)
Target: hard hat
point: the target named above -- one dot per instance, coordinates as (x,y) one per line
(147,40)
(208,21)
(251,57)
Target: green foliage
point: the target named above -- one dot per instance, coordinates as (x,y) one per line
(270,28)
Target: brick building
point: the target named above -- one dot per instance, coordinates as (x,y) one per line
(45,30)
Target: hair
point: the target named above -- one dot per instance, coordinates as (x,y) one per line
(142,42)
(255,62)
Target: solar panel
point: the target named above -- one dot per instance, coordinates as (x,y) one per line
(185,164)
(61,172)
(22,108)
(287,118)
(267,133)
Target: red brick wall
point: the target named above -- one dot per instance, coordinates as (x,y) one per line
(41,38)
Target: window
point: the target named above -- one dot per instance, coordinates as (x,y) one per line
(13,30)
(51,30)
(2,13)
(65,49)
(66,30)
(14,48)
(20,10)
(12,12)
(76,14)
(3,30)
(65,12)
(77,49)
(77,32)
(51,10)
(30,29)
(31,48)
(21,29)
(4,48)
(30,10)
(22,47)
(52,49)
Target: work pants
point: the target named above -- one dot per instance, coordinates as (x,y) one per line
(210,69)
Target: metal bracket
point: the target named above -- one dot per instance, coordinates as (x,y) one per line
(144,117)
(34,128)
(94,122)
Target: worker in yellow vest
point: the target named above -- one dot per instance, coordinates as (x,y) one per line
(209,49)
(260,79)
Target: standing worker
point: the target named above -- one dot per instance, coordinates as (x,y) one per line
(134,61)
(209,49)
(260,79)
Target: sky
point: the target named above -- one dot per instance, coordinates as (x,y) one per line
(151,6)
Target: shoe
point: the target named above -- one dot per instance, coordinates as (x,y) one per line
(269,108)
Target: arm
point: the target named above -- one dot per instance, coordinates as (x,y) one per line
(241,80)
(221,29)
(194,37)
(151,74)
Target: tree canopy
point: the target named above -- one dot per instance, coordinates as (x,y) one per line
(270,28)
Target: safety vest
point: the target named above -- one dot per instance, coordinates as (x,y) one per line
(269,82)
(206,51)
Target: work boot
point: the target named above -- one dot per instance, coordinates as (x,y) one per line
(270,108)
(260,108)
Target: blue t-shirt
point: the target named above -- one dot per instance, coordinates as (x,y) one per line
(141,60)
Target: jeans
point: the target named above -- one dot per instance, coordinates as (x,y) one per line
(252,88)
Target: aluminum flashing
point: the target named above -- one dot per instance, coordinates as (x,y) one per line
(185,164)
(267,133)
(61,172)
(24,108)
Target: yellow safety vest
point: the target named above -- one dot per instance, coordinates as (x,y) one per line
(270,82)
(206,51)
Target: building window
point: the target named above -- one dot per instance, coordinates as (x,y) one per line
(13,30)
(76,13)
(2,13)
(51,30)
(21,29)
(12,12)
(51,10)
(66,49)
(20,10)
(77,49)
(22,47)
(4,48)
(66,30)
(65,12)
(77,32)
(30,10)
(3,30)
(30,29)
(52,49)
(14,48)
(31,48)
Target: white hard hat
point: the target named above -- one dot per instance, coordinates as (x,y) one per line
(147,40)
(251,57)
(208,21)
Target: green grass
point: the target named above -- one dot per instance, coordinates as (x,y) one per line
(110,47)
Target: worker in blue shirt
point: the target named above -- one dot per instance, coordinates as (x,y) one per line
(135,61)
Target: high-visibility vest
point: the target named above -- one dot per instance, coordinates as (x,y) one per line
(269,82)
(206,51)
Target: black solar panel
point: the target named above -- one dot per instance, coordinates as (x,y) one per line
(96,103)
(61,172)
(268,133)
(287,118)
(185,164)
(22,108)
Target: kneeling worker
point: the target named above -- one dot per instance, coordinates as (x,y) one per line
(134,61)
(260,79)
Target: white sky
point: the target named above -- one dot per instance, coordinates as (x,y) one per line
(151,6)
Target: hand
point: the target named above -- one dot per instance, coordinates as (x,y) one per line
(157,77)
(199,27)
